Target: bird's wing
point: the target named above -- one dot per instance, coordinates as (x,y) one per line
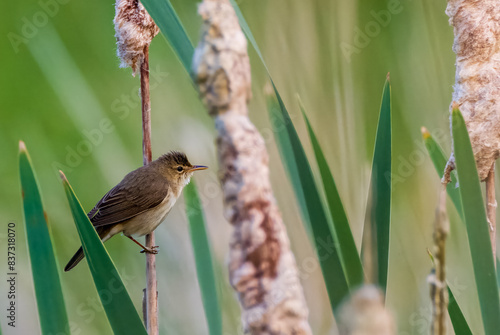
(135,194)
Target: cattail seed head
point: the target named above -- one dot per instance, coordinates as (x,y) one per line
(262,267)
(134,31)
(364,314)
(476,25)
(220,63)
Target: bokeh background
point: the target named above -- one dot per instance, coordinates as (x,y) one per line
(63,93)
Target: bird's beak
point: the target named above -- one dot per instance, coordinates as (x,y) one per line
(198,167)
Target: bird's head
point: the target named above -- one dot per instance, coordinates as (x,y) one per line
(176,168)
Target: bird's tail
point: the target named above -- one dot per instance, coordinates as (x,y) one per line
(79,254)
(75,260)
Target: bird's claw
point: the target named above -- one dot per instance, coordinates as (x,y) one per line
(151,250)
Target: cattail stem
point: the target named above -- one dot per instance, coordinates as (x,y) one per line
(151,312)
(491,209)
(146,109)
(134,30)
(437,279)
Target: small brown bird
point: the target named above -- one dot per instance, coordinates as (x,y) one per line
(141,201)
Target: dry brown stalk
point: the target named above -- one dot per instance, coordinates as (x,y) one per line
(437,278)
(151,312)
(135,30)
(146,109)
(364,314)
(262,267)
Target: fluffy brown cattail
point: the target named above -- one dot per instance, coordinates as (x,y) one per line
(262,268)
(476,25)
(225,85)
(134,31)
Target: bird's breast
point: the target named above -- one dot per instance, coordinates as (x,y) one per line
(147,222)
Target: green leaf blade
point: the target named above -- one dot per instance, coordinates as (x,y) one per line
(48,291)
(439,160)
(350,256)
(381,186)
(312,207)
(460,325)
(168,21)
(203,259)
(477,225)
(115,299)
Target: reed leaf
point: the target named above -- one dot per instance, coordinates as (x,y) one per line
(381,186)
(120,310)
(477,225)
(203,259)
(347,249)
(498,271)
(168,21)
(439,160)
(300,172)
(44,267)
(460,325)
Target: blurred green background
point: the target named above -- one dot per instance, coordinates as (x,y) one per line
(65,96)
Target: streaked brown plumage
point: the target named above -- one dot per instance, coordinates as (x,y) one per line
(141,201)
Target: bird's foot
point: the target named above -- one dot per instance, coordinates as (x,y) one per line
(151,250)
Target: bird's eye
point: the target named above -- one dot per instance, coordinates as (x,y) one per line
(179,168)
